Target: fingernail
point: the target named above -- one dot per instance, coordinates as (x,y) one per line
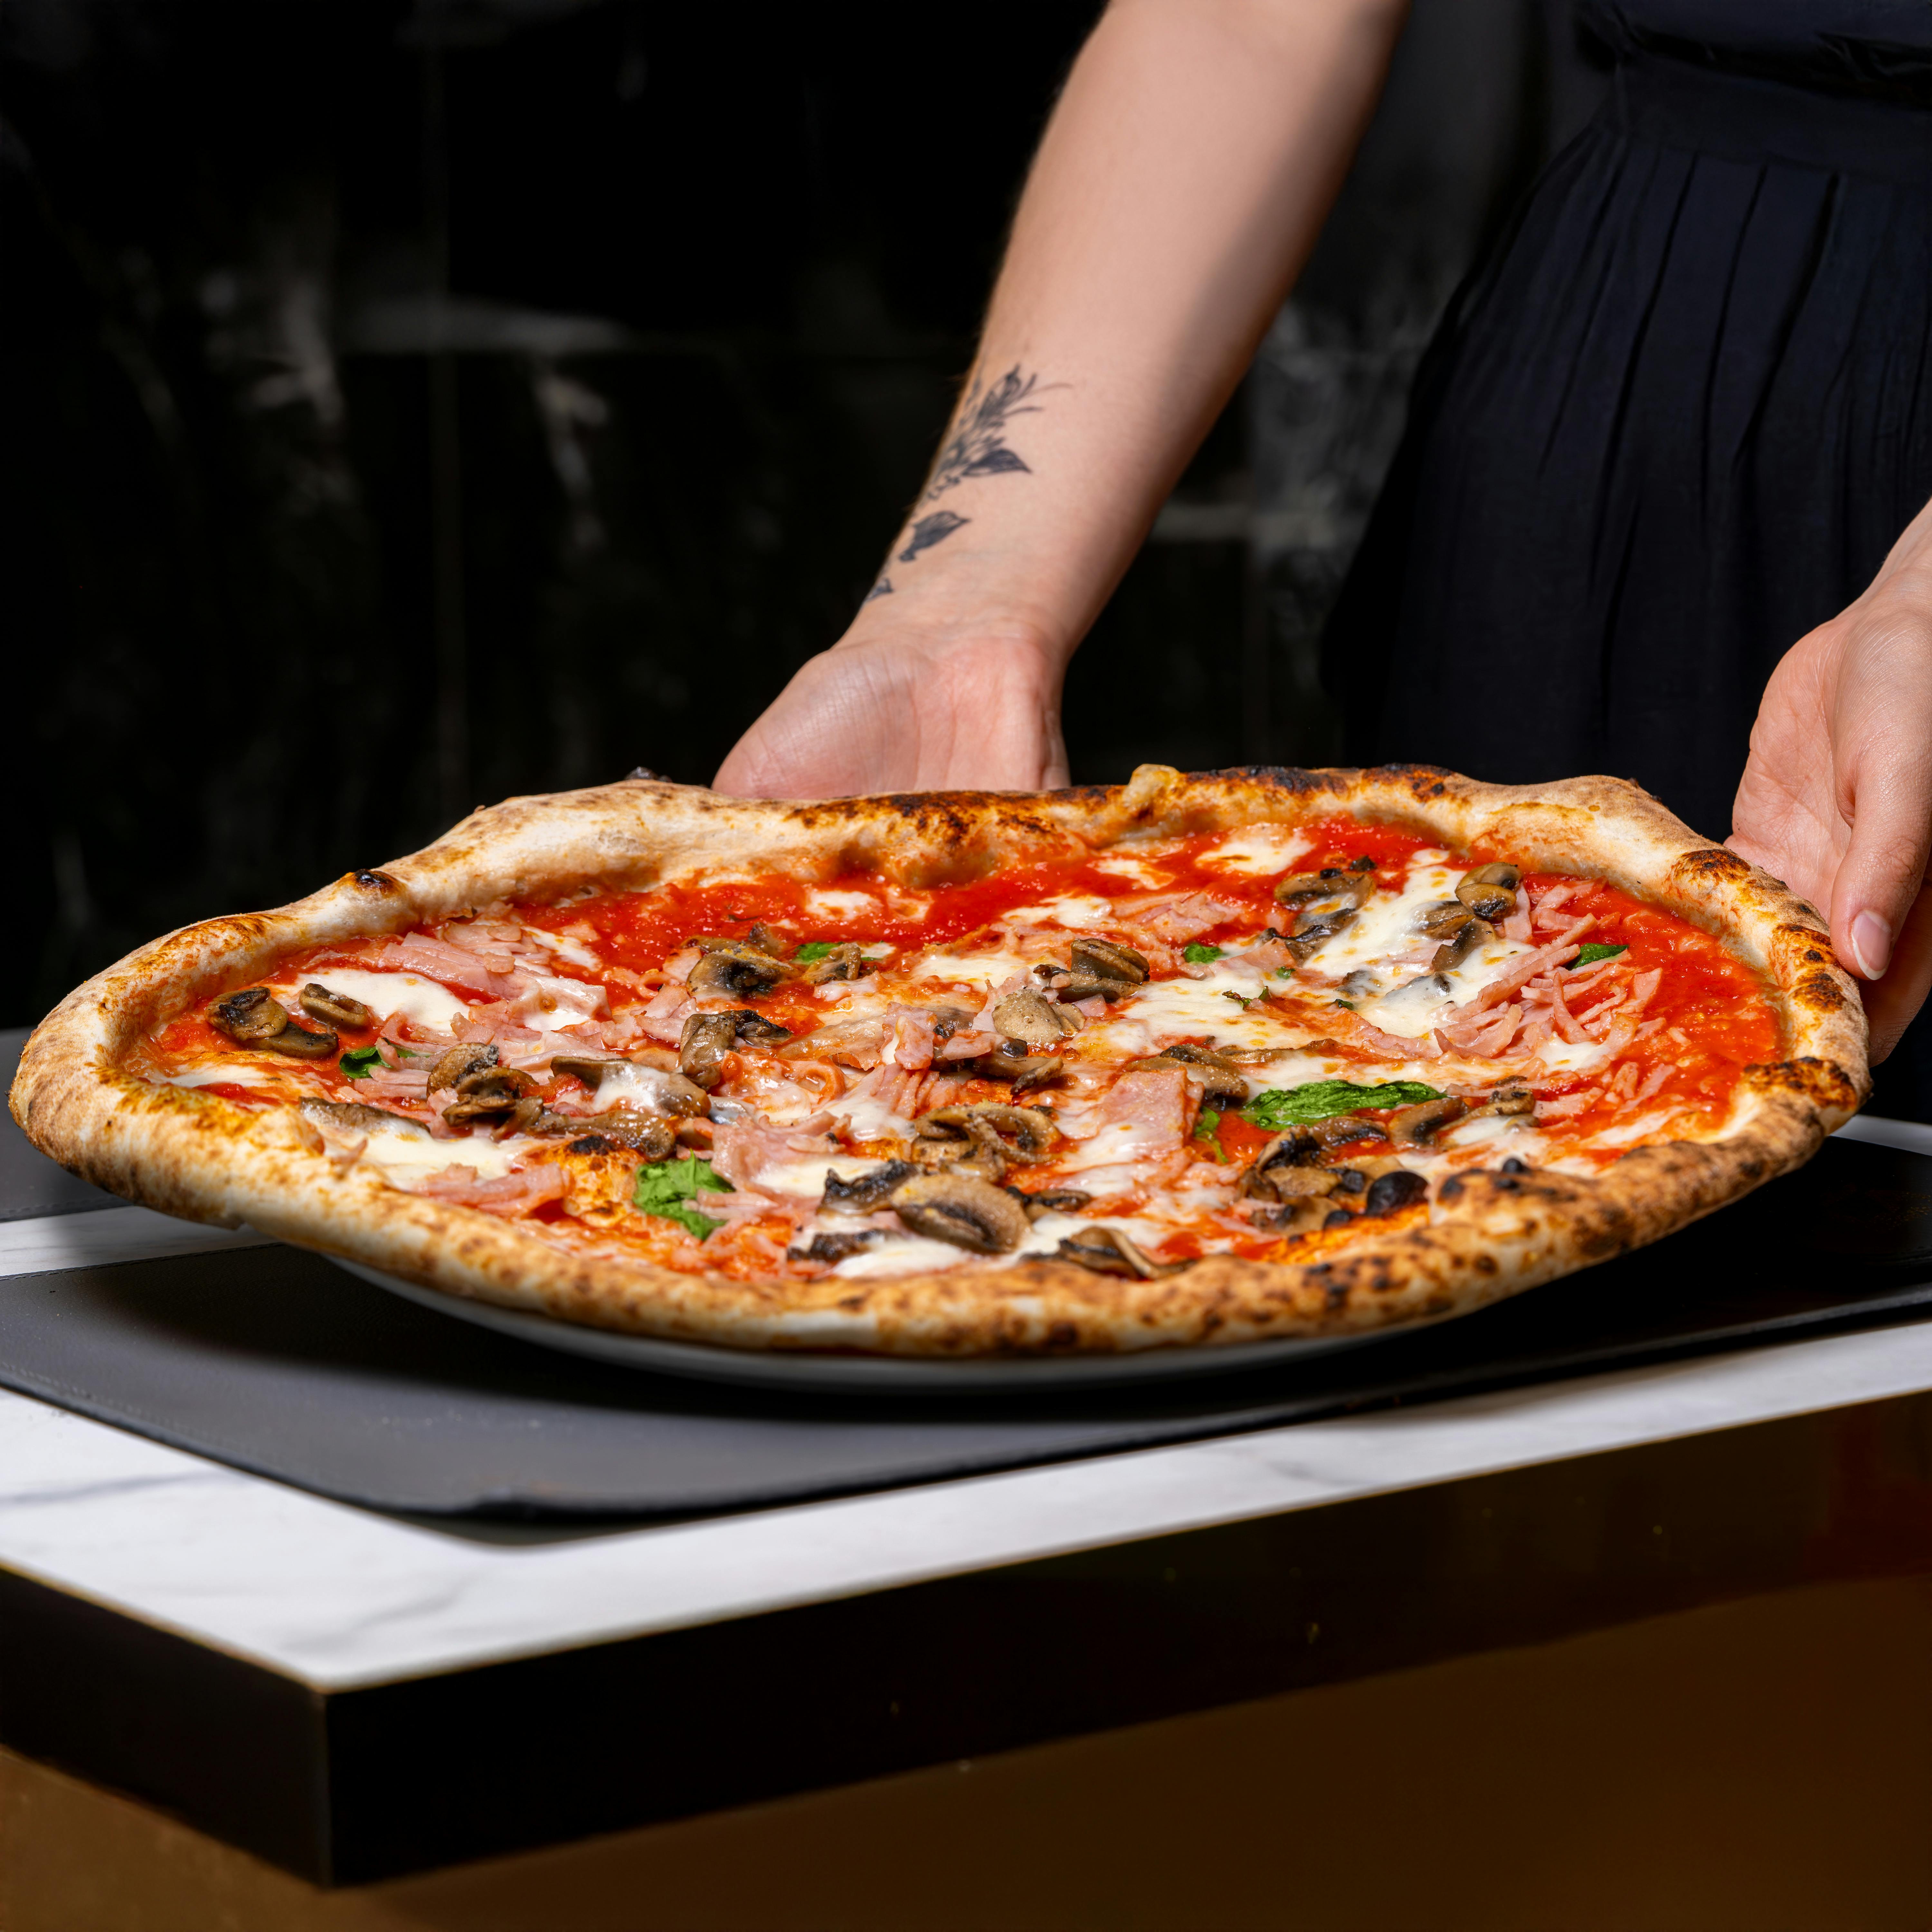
(1871,945)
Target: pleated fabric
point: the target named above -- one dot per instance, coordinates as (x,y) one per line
(1676,421)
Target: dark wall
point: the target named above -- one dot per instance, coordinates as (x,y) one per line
(405,406)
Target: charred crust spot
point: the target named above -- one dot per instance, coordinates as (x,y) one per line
(1062,1335)
(375,882)
(1822,1082)
(1711,863)
(593,1143)
(1452,1188)
(1818,990)
(1483,1262)
(644,773)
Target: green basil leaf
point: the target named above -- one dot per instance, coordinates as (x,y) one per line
(1589,955)
(359,1062)
(814,948)
(666,1189)
(1198,955)
(1282,1107)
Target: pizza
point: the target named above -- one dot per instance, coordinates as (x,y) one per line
(1198,1060)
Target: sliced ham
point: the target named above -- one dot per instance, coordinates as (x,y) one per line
(452,965)
(911,1045)
(509,1195)
(1568,1104)
(1145,1114)
(1177,917)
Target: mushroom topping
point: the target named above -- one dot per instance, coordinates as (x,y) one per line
(1215,1071)
(1313,929)
(1297,1147)
(1472,933)
(708,1037)
(730,966)
(701,1048)
(829,1250)
(842,962)
(472,1057)
(355,1117)
(254,1017)
(647,1134)
(1443,918)
(1105,960)
(1512,1099)
(1351,883)
(1418,1125)
(866,1193)
(665,1090)
(334,1010)
(1050,1200)
(1107,1251)
(1029,1017)
(532,1114)
(957,1208)
(1490,892)
(986,1123)
(490,1093)
(1388,1193)
(762,937)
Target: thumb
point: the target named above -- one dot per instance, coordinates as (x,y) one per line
(1884,867)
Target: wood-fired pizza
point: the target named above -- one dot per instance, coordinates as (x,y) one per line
(1199,1060)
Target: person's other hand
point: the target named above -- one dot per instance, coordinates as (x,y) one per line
(902,707)
(1836,798)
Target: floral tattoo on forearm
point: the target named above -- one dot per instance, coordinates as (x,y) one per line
(977,447)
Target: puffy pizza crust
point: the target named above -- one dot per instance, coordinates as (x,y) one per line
(1490,1235)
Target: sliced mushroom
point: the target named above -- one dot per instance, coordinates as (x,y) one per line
(532,1114)
(867,1193)
(1086,986)
(1031,1017)
(1105,960)
(1512,1099)
(701,1048)
(1316,928)
(650,1135)
(1037,1072)
(1032,1132)
(1487,897)
(251,1018)
(1472,933)
(1050,1201)
(458,1063)
(1218,1075)
(356,1117)
(334,1010)
(1107,1251)
(1353,883)
(730,966)
(254,1017)
(762,937)
(1443,918)
(1296,1148)
(1418,1125)
(827,1250)
(488,1093)
(1389,1192)
(1344,1129)
(842,962)
(667,1091)
(959,1208)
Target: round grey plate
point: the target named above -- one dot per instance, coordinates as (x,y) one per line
(862,1374)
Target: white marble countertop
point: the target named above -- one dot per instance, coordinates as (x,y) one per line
(337,1597)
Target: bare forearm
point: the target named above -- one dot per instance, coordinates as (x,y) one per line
(1181,185)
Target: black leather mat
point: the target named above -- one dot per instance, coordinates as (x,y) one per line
(276,1362)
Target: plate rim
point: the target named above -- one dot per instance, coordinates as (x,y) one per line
(802,1369)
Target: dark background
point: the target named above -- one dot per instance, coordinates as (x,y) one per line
(406,406)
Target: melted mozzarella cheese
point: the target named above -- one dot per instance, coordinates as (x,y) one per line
(422,1002)
(574,950)
(823,903)
(970,969)
(910,1254)
(405,1158)
(806,1178)
(551,1005)
(1258,850)
(1081,910)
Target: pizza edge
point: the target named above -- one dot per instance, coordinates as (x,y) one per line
(1489,1235)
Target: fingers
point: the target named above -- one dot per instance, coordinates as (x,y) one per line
(1891,1003)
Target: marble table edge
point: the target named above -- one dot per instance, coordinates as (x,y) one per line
(338,1597)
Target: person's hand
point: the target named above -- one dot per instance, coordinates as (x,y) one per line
(1836,798)
(896,707)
